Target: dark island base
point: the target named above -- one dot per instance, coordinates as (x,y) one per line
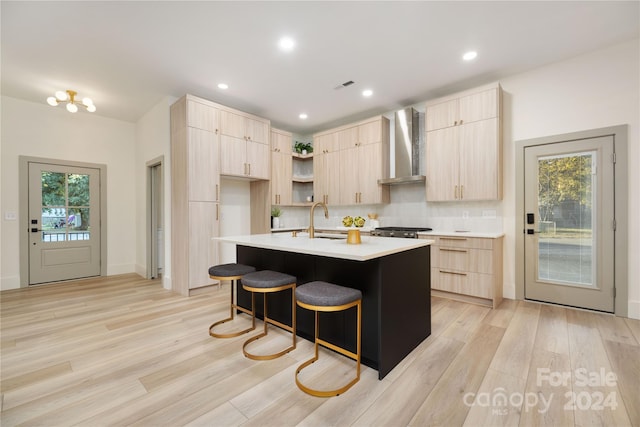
(396,305)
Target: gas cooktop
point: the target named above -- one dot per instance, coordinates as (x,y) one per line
(407,232)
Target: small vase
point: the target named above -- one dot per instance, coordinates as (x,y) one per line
(304,152)
(276,222)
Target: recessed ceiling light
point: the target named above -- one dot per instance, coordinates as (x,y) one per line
(470,55)
(286,43)
(303,116)
(223,86)
(367,92)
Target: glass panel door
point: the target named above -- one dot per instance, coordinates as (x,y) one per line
(64,222)
(569,237)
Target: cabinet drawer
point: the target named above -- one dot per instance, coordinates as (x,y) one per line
(471,260)
(474,284)
(450,258)
(463,242)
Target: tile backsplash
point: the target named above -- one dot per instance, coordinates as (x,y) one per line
(409,208)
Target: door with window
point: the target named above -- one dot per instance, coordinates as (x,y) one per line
(64,222)
(569,224)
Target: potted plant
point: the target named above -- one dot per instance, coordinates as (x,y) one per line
(275,217)
(303,147)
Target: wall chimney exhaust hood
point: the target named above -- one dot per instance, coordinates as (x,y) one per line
(407,149)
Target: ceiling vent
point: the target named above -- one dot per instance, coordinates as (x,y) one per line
(345,84)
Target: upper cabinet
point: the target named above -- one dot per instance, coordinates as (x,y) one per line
(244,145)
(350,160)
(326,163)
(364,161)
(464,146)
(461,110)
(202,116)
(281,167)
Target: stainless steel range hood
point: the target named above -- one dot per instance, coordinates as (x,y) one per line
(407,149)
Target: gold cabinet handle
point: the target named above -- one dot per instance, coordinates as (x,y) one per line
(453,250)
(217,211)
(217,193)
(453,272)
(455,123)
(454,238)
(461,191)
(455,192)
(460,121)
(249,164)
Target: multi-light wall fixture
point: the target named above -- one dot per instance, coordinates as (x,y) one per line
(70,98)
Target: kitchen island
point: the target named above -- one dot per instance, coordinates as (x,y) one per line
(393,275)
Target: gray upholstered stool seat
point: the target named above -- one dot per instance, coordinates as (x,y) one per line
(232,272)
(229,270)
(266,282)
(267,279)
(322,296)
(325,294)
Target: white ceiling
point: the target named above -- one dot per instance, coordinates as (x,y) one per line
(127,56)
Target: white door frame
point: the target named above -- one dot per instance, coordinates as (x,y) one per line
(23,183)
(152,240)
(621,272)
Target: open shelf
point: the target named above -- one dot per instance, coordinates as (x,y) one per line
(302,179)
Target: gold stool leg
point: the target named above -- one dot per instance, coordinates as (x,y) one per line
(291,329)
(355,356)
(232,308)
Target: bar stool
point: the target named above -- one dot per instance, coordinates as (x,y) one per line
(265,282)
(327,297)
(232,272)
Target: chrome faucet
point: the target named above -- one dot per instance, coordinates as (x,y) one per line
(326,215)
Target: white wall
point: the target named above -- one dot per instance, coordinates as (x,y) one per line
(591,91)
(153,140)
(39,130)
(235,214)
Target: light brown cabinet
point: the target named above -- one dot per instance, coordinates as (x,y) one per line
(326,168)
(281,167)
(195,188)
(464,146)
(468,268)
(244,146)
(351,176)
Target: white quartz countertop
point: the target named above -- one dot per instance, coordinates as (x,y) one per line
(334,247)
(486,235)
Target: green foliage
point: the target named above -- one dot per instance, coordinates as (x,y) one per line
(563,179)
(299,146)
(275,211)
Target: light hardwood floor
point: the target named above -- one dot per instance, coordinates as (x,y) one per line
(123,351)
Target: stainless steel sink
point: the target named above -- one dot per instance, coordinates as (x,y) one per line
(331,236)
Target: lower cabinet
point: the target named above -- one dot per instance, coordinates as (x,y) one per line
(467,268)
(204,222)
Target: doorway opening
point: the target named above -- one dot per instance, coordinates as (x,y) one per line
(155,218)
(571,235)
